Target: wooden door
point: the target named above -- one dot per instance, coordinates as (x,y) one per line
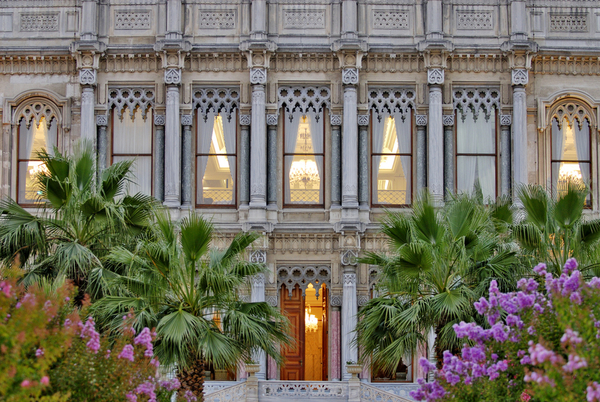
(324,360)
(292,369)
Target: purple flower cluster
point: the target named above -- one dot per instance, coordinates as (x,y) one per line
(6,288)
(593,392)
(89,330)
(429,391)
(145,339)
(189,396)
(171,385)
(147,388)
(127,353)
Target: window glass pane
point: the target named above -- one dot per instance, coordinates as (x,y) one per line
(36,137)
(475,136)
(304,179)
(29,192)
(218,184)
(392,179)
(132,136)
(141,174)
(476,170)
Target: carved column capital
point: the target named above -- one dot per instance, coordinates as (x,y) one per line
(421,119)
(520,76)
(335,120)
(363,119)
(272,119)
(505,119)
(101,120)
(87,76)
(186,120)
(159,119)
(350,76)
(435,76)
(448,120)
(258,257)
(173,76)
(258,75)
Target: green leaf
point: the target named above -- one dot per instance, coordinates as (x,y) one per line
(569,207)
(84,169)
(535,201)
(195,236)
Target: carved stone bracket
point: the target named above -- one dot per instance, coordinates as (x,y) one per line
(505,119)
(258,257)
(448,120)
(245,119)
(335,119)
(186,120)
(271,301)
(435,76)
(101,120)
(350,76)
(87,76)
(272,119)
(363,119)
(291,276)
(336,300)
(421,119)
(159,119)
(258,76)
(173,76)
(349,257)
(520,76)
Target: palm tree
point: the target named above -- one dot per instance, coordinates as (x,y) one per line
(80,219)
(189,293)
(441,262)
(554,229)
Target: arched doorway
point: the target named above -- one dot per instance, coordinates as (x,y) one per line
(304,300)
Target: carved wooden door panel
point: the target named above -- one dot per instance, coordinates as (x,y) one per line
(292,369)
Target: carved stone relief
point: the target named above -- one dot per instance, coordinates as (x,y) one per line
(476,99)
(304,99)
(87,76)
(388,19)
(448,120)
(392,101)
(335,119)
(577,22)
(218,19)
(258,76)
(520,76)
(421,119)
(159,119)
(362,300)
(350,76)
(258,257)
(33,111)
(290,276)
(102,120)
(186,120)
(133,19)
(435,76)
(172,76)
(272,119)
(474,20)
(505,119)
(304,19)
(363,119)
(120,98)
(216,100)
(245,119)
(271,300)
(349,257)
(336,300)
(39,22)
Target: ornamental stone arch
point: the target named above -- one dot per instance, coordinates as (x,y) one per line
(392,100)
(216,100)
(582,105)
(573,110)
(33,105)
(477,99)
(304,99)
(302,275)
(132,98)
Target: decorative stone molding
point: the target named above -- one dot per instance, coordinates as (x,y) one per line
(335,120)
(349,257)
(448,120)
(186,120)
(120,98)
(272,301)
(37,65)
(159,119)
(476,99)
(304,99)
(349,279)
(173,76)
(520,76)
(505,119)
(575,22)
(574,111)
(421,119)
(388,19)
(392,63)
(258,76)
(350,76)
(478,63)
(33,111)
(258,257)
(216,100)
(290,276)
(39,22)
(133,19)
(101,120)
(305,62)
(294,391)
(336,300)
(390,101)
(245,119)
(362,300)
(303,19)
(272,119)
(309,243)
(218,19)
(435,76)
(87,76)
(363,119)
(474,20)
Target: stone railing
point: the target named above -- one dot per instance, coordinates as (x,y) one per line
(371,393)
(235,393)
(401,390)
(292,390)
(214,386)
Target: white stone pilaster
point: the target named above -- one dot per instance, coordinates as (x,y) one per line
(520,78)
(258,147)
(258,295)
(350,142)
(435,147)
(88,119)
(172,149)
(349,310)
(174,31)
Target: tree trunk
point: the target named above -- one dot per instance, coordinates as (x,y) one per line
(192,378)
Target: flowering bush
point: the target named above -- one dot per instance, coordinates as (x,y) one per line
(539,344)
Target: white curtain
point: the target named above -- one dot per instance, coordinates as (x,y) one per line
(205,133)
(316,135)
(558,149)
(291,136)
(51,136)
(229,133)
(378,122)
(582,144)
(486,167)
(26,140)
(403,131)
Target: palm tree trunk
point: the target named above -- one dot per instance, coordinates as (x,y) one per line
(192,378)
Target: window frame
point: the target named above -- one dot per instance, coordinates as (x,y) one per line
(323,179)
(198,180)
(412,160)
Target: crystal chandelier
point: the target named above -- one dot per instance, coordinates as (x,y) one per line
(311,323)
(304,171)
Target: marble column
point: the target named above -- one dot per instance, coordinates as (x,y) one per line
(520,78)
(258,295)
(431,336)
(174,30)
(334,341)
(101,122)
(259,20)
(186,162)
(421,120)
(258,141)
(88,118)
(349,310)
(89,20)
(272,161)
(336,161)
(435,148)
(448,121)
(244,187)
(350,145)
(349,19)
(159,157)
(505,123)
(363,161)
(172,149)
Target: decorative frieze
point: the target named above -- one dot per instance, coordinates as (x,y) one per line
(391,101)
(218,19)
(37,65)
(39,22)
(474,20)
(476,99)
(313,243)
(392,63)
(290,276)
(569,22)
(304,99)
(120,98)
(476,63)
(216,100)
(133,19)
(215,62)
(304,19)
(388,19)
(115,63)
(571,65)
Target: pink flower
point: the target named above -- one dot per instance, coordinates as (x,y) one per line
(45,380)
(525,397)
(39,353)
(126,353)
(5,288)
(26,384)
(89,330)
(145,339)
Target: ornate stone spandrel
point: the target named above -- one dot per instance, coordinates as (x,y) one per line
(173,76)
(302,275)
(119,98)
(421,119)
(395,100)
(258,76)
(363,119)
(303,99)
(87,76)
(335,120)
(272,119)
(448,120)
(101,120)
(350,76)
(258,257)
(435,76)
(520,76)
(505,119)
(186,120)
(159,119)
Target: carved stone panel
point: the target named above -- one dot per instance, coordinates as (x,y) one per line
(245,119)
(505,120)
(577,22)
(303,19)
(39,22)
(133,19)
(119,98)
(421,119)
(336,300)
(217,100)
(186,120)
(217,19)
(87,76)
(159,119)
(363,119)
(258,76)
(435,76)
(102,120)
(349,257)
(290,276)
(448,120)
(520,76)
(258,257)
(172,76)
(335,120)
(390,19)
(474,20)
(304,99)
(390,101)
(477,100)
(350,76)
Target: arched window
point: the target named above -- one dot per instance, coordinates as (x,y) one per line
(37,129)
